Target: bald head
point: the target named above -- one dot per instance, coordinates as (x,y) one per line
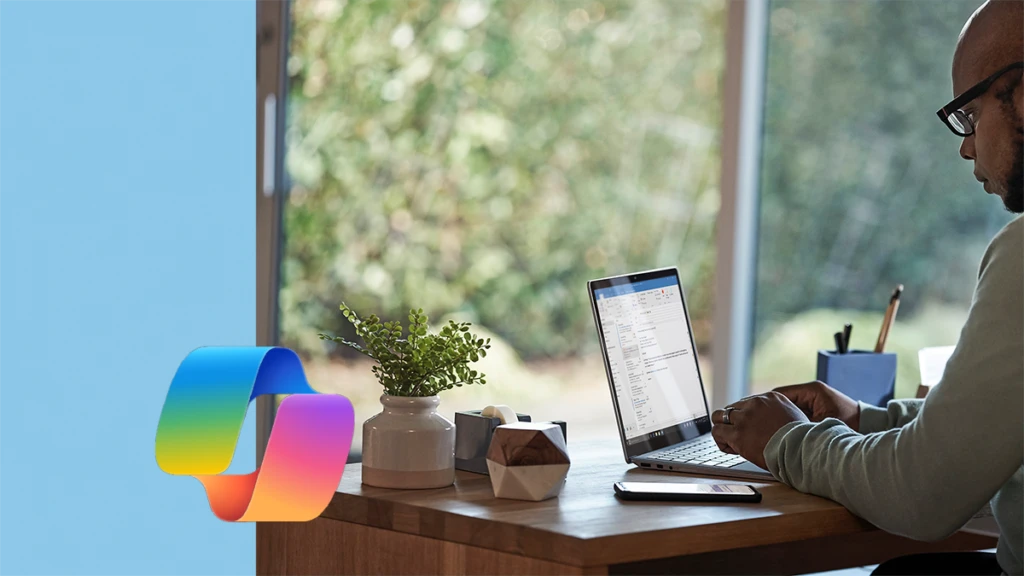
(990,42)
(992,38)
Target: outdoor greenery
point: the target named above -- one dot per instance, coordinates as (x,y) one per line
(788,354)
(862,187)
(487,159)
(422,364)
(484,159)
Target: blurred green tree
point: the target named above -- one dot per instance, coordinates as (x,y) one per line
(490,158)
(862,187)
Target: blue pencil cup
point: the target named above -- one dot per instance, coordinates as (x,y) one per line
(860,374)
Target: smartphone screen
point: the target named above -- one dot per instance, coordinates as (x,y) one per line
(673,488)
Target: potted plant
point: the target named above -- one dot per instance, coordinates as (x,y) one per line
(410,445)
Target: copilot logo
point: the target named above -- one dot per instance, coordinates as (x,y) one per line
(203,415)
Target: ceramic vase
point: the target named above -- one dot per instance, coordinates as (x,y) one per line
(409,445)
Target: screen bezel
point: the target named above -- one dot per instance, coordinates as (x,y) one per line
(673,434)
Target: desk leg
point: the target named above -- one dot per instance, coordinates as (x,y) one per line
(325,546)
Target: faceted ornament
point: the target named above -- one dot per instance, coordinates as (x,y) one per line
(527,461)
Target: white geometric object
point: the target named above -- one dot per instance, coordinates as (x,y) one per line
(527,461)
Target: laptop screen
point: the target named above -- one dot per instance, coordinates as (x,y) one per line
(650,359)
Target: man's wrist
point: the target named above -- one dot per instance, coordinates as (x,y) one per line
(854,421)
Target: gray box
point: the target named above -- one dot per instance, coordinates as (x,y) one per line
(473,438)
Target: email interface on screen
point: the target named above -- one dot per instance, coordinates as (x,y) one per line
(654,369)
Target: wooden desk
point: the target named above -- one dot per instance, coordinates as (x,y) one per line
(463,529)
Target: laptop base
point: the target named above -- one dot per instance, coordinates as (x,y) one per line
(745,470)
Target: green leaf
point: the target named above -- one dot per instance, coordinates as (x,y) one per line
(422,364)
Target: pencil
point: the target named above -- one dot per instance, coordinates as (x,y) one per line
(890,317)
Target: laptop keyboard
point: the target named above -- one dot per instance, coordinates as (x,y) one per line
(703,451)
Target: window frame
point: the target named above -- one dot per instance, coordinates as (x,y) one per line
(272,33)
(738,214)
(737,220)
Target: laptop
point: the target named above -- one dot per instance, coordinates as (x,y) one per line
(657,391)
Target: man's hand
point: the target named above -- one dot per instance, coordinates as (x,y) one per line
(819,401)
(754,420)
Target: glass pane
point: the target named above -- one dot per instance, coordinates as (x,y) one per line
(861,188)
(482,161)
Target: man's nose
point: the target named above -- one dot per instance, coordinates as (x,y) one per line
(967,148)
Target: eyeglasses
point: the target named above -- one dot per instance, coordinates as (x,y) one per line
(959,121)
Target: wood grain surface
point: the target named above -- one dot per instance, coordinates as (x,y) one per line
(586,526)
(330,547)
(326,546)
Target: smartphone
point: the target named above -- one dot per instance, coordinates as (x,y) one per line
(679,492)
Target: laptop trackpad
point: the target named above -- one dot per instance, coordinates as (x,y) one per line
(749,467)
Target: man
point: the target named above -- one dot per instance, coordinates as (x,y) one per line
(923,468)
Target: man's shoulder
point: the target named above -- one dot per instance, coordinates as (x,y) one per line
(1012,233)
(1006,250)
(1001,276)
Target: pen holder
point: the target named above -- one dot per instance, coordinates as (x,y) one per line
(473,434)
(862,375)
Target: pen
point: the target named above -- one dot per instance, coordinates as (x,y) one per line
(838,336)
(847,330)
(890,317)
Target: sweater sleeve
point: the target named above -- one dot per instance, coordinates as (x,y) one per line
(925,476)
(895,414)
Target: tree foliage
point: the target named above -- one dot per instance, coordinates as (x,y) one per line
(490,158)
(862,187)
(487,158)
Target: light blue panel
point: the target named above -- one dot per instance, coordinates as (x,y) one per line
(127,238)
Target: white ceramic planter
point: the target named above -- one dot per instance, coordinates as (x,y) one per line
(409,445)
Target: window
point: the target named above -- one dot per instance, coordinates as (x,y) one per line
(861,188)
(482,161)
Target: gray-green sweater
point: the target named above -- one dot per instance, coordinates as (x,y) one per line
(923,468)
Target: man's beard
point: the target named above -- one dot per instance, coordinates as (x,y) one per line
(1014,200)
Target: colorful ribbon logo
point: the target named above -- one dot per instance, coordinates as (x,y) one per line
(203,415)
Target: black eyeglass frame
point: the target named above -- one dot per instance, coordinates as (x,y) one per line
(970,94)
